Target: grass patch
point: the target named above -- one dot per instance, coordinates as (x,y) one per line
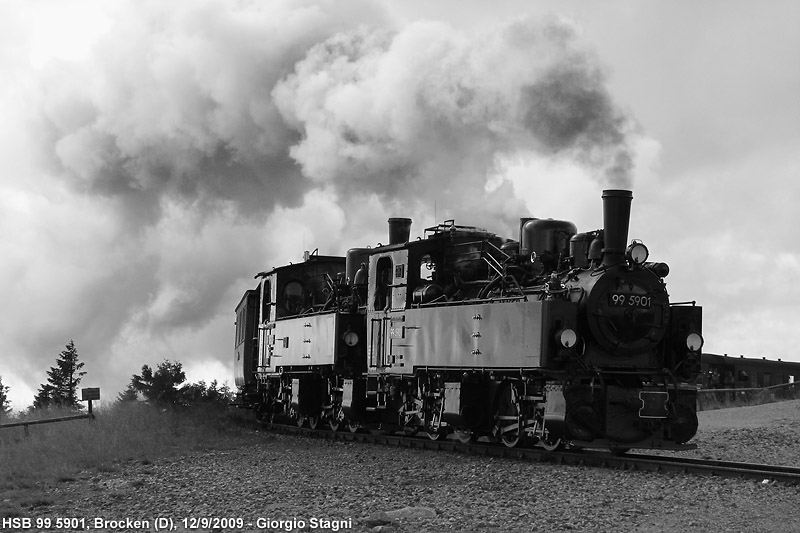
(8,510)
(122,433)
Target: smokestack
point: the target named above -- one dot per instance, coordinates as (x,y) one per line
(616,217)
(399,230)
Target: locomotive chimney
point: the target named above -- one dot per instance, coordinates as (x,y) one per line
(399,230)
(616,217)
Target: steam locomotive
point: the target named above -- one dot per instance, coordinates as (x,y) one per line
(557,337)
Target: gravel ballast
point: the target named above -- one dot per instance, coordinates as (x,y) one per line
(286,483)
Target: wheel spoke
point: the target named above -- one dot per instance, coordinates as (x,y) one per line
(335,416)
(509,426)
(551,444)
(409,422)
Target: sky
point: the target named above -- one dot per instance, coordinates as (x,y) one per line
(154,156)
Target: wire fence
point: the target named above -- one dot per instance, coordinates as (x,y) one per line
(708,399)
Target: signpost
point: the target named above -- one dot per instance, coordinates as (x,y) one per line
(89,395)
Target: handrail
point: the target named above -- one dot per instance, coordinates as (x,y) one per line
(27,423)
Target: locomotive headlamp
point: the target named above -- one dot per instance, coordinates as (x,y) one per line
(567,337)
(637,253)
(694,341)
(350,338)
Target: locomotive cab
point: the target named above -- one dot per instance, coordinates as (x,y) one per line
(306,311)
(310,335)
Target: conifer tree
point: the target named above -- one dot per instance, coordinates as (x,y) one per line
(160,386)
(130,394)
(61,389)
(44,397)
(5,405)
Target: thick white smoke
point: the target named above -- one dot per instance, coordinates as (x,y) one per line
(175,101)
(424,113)
(201,141)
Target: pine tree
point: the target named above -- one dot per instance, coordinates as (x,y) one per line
(160,386)
(61,389)
(43,398)
(130,394)
(5,405)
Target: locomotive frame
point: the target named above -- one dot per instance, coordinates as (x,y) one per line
(558,337)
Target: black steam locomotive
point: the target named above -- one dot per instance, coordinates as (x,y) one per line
(559,337)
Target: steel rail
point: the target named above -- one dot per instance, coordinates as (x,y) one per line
(783,473)
(632,462)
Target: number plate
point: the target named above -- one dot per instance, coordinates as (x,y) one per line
(637,301)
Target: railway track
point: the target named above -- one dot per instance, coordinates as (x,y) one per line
(634,462)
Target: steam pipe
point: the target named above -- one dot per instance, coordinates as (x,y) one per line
(616,218)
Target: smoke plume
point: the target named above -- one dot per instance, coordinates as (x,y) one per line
(427,110)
